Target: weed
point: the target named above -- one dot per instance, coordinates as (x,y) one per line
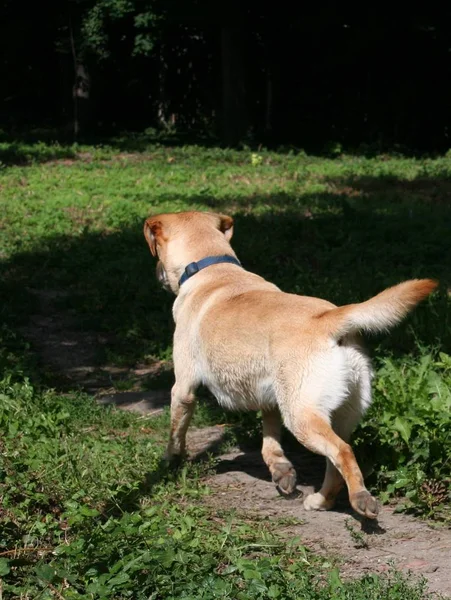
(88,513)
(410,421)
(357,537)
(87,510)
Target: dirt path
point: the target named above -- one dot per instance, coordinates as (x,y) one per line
(74,357)
(241,480)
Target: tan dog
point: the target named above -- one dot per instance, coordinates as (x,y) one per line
(257,348)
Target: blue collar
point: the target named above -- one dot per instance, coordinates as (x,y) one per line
(194,267)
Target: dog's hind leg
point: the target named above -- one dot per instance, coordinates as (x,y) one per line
(315,432)
(344,421)
(282,471)
(183,402)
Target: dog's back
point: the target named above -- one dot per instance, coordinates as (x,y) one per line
(256,347)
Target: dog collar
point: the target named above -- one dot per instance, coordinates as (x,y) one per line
(195,267)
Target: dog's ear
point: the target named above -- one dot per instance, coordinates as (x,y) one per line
(226,226)
(152,231)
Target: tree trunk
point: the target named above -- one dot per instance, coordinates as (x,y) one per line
(80,94)
(162,101)
(233,75)
(268,107)
(80,89)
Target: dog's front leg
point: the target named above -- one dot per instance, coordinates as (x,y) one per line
(183,402)
(282,471)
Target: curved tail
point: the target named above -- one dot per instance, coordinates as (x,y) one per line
(380,312)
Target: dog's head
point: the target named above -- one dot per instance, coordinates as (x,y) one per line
(178,239)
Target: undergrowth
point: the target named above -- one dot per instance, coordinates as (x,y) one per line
(88,512)
(408,429)
(87,509)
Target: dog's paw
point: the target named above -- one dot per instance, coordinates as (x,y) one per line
(318,502)
(365,504)
(284,476)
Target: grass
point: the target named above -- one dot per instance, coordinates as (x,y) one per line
(87,510)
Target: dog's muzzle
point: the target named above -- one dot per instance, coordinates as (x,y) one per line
(162,276)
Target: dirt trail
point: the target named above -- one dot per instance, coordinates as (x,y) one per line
(242,480)
(73,356)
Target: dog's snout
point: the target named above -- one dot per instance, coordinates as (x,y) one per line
(162,276)
(161,273)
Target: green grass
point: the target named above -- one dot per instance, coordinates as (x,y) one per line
(88,512)
(86,506)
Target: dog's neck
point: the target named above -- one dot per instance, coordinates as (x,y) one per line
(194,267)
(194,252)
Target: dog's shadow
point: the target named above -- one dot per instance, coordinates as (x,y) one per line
(310,472)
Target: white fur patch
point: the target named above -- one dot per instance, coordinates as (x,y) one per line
(326,381)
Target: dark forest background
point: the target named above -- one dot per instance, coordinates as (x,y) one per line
(321,76)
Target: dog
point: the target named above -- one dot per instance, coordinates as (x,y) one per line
(295,358)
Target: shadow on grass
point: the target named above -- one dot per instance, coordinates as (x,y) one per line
(341,246)
(129,500)
(345,246)
(47,145)
(26,150)
(17,153)
(141,141)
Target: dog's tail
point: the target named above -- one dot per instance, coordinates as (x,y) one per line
(380,312)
